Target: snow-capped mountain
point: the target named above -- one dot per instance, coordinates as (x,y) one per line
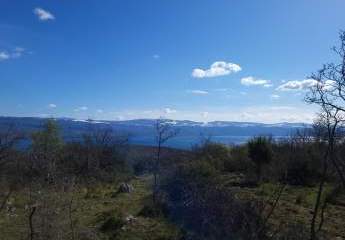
(143,129)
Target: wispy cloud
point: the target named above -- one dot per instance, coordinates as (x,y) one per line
(17,52)
(274,96)
(169,111)
(204,114)
(52,105)
(217,69)
(198,92)
(79,109)
(4,56)
(43,15)
(251,81)
(297,85)
(156,56)
(221,90)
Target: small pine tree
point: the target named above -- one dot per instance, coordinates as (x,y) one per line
(260,152)
(46,147)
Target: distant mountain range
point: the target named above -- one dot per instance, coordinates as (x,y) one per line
(141,131)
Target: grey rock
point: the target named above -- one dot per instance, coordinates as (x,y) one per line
(126,188)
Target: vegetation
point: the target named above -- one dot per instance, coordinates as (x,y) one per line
(74,190)
(260,152)
(102,188)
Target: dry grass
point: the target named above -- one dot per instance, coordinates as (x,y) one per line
(91,208)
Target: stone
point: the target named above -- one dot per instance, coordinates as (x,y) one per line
(126,188)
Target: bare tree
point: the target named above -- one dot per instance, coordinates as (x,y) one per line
(163,132)
(100,145)
(31,226)
(328,128)
(328,93)
(9,138)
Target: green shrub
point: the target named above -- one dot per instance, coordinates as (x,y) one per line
(299,199)
(260,152)
(294,231)
(239,161)
(112,224)
(214,153)
(151,210)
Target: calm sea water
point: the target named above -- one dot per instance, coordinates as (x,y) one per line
(180,142)
(186,142)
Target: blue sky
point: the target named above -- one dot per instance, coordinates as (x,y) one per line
(200,60)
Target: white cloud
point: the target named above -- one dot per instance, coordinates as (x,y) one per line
(204,114)
(43,15)
(4,56)
(297,85)
(217,69)
(251,81)
(83,108)
(198,92)
(156,56)
(16,53)
(52,105)
(19,49)
(42,115)
(275,96)
(221,90)
(169,111)
(329,85)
